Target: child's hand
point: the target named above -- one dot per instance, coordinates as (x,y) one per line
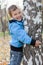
(37,43)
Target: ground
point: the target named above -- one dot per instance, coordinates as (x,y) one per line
(4,49)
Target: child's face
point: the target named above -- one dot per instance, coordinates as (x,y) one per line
(17,14)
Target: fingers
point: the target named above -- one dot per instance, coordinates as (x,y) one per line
(37,43)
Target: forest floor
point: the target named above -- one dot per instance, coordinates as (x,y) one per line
(4,49)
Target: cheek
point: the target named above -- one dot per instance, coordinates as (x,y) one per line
(19,16)
(14,16)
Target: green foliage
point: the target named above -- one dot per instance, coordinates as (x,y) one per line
(2,34)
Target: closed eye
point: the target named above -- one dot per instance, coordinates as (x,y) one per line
(15,14)
(19,12)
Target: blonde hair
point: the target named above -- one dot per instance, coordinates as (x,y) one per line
(11,8)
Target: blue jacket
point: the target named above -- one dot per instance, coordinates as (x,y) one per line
(18,34)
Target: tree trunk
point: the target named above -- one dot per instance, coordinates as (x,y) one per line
(33,25)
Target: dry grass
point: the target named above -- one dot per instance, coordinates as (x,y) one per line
(4,49)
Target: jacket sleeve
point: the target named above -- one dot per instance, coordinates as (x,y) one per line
(23,36)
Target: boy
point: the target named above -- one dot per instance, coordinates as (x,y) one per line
(19,36)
